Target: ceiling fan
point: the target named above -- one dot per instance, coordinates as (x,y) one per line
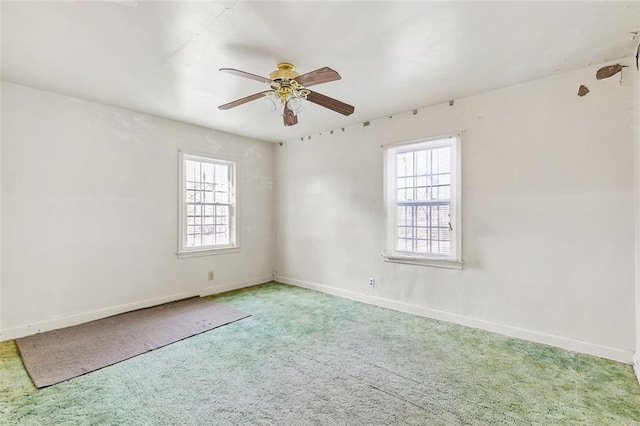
(288,89)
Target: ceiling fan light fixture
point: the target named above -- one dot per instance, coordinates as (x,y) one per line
(298,110)
(273,104)
(287,90)
(269,103)
(294,103)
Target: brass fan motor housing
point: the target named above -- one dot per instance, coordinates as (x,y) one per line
(285,71)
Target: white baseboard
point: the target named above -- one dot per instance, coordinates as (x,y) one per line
(235,286)
(636,365)
(39,327)
(616,354)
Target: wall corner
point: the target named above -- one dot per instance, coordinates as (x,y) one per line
(636,125)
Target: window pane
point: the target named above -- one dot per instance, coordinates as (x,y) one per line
(443,160)
(221,186)
(222,211)
(423,193)
(207,184)
(401,165)
(405,164)
(424,229)
(422,158)
(207,172)
(221,196)
(192,171)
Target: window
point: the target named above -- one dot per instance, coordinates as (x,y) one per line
(423,202)
(207,204)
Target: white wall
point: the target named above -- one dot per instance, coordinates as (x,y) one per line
(548,214)
(1,310)
(636,80)
(89,211)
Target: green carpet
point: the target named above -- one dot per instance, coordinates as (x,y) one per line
(308,358)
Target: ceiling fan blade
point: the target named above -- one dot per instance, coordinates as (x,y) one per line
(245,75)
(319,76)
(332,104)
(290,119)
(243,100)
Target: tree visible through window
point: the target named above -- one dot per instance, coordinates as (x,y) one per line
(422,206)
(208,203)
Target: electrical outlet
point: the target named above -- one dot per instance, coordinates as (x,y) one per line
(372,282)
(210,276)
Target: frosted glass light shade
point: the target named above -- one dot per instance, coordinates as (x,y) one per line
(295,104)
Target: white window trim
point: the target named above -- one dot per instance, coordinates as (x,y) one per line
(234,247)
(390,199)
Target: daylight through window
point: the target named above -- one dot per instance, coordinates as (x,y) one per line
(208,203)
(422,200)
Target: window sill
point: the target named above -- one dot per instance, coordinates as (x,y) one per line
(424,261)
(207,252)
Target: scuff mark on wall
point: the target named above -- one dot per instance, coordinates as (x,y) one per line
(123,127)
(264,182)
(213,145)
(251,154)
(129,4)
(583,90)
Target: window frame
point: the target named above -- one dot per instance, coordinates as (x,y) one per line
(390,254)
(234,245)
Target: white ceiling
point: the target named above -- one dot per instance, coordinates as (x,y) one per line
(163,57)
